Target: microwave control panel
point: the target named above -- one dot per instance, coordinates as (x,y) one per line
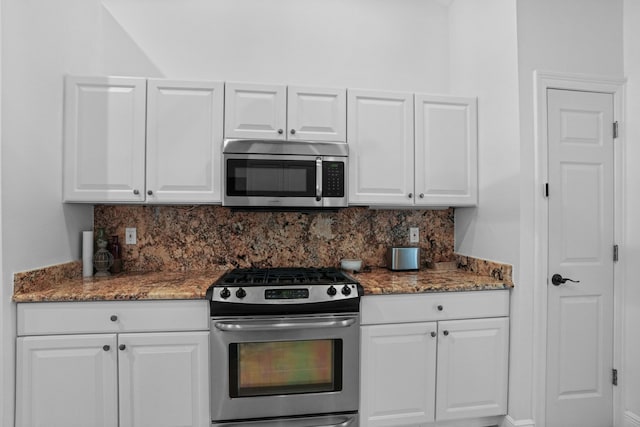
(333,179)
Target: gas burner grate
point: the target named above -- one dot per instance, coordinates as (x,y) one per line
(283,276)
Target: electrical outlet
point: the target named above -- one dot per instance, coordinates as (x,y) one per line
(131,237)
(414,235)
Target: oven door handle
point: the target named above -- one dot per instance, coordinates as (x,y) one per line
(345,423)
(261,325)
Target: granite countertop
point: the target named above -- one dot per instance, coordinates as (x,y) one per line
(381,281)
(127,286)
(54,285)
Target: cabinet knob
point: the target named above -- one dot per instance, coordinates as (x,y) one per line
(433,334)
(280,131)
(440,308)
(410,195)
(149,192)
(136,192)
(113,318)
(122,346)
(422,195)
(445,333)
(293,131)
(106,348)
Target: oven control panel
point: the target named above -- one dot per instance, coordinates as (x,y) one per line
(284,294)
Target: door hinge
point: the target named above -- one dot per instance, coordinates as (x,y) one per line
(615,252)
(614,376)
(546,189)
(615,130)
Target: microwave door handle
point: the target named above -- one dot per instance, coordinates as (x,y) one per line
(280,326)
(318,179)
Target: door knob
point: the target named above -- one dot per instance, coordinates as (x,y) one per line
(558,280)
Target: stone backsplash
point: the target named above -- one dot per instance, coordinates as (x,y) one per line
(186,238)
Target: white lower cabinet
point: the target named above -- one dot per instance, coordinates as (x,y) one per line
(67,380)
(112,379)
(398,374)
(429,371)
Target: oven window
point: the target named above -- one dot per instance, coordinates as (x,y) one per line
(271,178)
(285,367)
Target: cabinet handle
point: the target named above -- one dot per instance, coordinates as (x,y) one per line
(106,348)
(433,334)
(410,195)
(113,317)
(293,131)
(149,192)
(122,346)
(280,131)
(136,192)
(445,333)
(440,308)
(422,195)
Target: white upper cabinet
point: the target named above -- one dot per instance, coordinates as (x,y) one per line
(317,114)
(446,151)
(380,137)
(276,112)
(184,141)
(255,111)
(104,144)
(104,133)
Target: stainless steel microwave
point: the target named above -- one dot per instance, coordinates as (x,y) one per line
(284,174)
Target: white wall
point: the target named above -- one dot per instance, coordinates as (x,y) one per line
(630,372)
(378,44)
(570,36)
(381,44)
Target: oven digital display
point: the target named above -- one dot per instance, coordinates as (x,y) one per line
(286,293)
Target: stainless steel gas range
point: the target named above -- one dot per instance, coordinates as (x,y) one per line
(285,348)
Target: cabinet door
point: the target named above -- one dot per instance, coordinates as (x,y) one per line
(255,111)
(446,151)
(380,137)
(317,114)
(184,141)
(104,139)
(66,381)
(398,374)
(164,379)
(472,368)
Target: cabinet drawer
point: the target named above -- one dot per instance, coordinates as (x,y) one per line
(48,318)
(378,309)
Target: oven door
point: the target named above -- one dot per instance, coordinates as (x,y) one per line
(283,366)
(272,180)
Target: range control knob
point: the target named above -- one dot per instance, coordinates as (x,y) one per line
(346,290)
(225,293)
(331,291)
(241,293)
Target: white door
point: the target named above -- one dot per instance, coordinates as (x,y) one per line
(581,238)
(398,374)
(164,379)
(446,164)
(317,114)
(473,361)
(184,141)
(255,111)
(67,381)
(104,139)
(380,135)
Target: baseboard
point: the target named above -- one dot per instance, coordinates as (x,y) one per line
(510,422)
(631,419)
